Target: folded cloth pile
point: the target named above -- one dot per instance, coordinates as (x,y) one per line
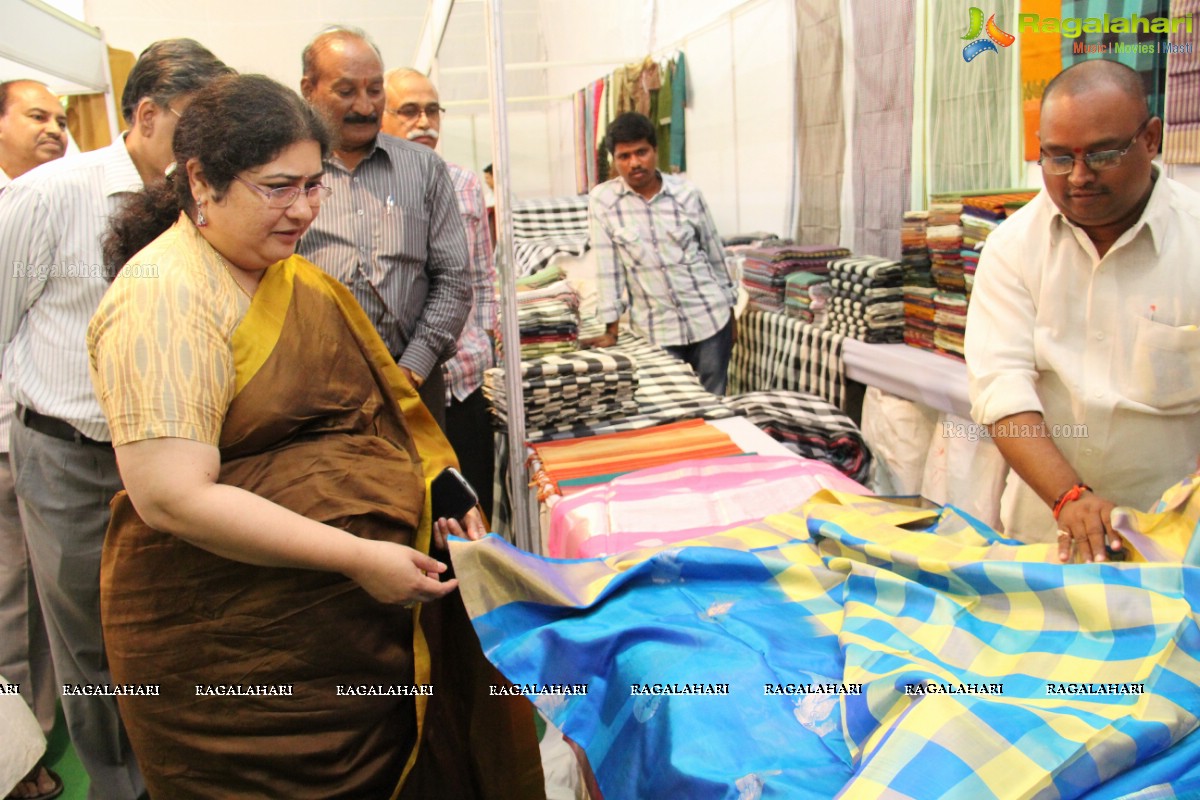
(806,296)
(919,314)
(868,299)
(574,464)
(914,249)
(544,228)
(808,426)
(548,318)
(765,270)
(918,279)
(586,387)
(667,390)
(950,317)
(981,216)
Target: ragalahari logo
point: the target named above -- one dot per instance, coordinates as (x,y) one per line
(995,36)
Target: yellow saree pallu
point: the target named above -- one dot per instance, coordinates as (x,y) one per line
(261,670)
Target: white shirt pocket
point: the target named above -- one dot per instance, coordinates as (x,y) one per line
(1164,368)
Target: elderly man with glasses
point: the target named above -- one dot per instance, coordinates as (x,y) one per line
(414,113)
(390,231)
(1082,345)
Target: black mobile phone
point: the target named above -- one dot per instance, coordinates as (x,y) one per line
(453,497)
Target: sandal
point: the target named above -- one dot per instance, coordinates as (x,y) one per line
(34,782)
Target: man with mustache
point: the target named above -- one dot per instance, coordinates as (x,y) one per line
(1082,346)
(33,130)
(413,112)
(660,257)
(390,231)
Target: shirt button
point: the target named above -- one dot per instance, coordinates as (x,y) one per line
(1099,337)
(360,212)
(1099,395)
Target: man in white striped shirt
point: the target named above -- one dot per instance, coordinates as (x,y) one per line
(390,231)
(33,131)
(51,223)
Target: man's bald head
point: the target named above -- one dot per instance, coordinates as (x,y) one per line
(1098,73)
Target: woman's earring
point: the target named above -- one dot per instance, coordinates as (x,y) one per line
(201,220)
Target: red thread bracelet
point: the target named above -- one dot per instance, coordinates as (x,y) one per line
(1074,493)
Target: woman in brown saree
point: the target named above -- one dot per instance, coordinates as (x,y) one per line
(263,565)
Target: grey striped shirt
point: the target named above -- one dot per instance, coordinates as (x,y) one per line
(51,221)
(391,232)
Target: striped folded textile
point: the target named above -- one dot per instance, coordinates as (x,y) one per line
(766,268)
(667,390)
(857,647)
(777,352)
(808,426)
(867,302)
(582,387)
(544,228)
(603,456)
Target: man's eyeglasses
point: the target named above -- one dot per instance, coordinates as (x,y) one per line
(412,111)
(1097,162)
(285,196)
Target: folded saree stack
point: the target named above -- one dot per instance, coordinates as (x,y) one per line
(806,297)
(950,320)
(585,387)
(664,390)
(918,280)
(766,268)
(548,317)
(868,299)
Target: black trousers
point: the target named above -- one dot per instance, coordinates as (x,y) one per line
(470,433)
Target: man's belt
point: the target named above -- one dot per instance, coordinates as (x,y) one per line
(53,426)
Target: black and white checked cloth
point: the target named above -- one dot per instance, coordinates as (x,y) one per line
(544,228)
(774,351)
(808,426)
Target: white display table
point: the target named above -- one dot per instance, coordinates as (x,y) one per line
(909,372)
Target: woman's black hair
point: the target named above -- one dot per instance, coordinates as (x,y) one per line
(235,123)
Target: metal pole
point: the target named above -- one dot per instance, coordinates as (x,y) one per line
(523,531)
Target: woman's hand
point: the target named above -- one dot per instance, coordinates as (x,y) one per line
(471,527)
(393,573)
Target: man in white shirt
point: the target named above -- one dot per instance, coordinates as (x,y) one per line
(1082,349)
(51,224)
(33,131)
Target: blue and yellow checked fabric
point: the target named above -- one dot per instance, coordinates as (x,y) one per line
(765,633)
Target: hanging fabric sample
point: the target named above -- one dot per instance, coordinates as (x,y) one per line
(971,139)
(1181,143)
(820,128)
(1041,60)
(883,112)
(678,101)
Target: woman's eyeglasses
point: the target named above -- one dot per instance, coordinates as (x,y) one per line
(285,196)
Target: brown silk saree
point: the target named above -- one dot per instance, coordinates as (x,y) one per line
(322,423)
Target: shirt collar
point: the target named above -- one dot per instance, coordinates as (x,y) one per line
(1154,216)
(665,188)
(120,174)
(375,148)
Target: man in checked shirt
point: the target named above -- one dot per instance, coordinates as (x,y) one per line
(660,258)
